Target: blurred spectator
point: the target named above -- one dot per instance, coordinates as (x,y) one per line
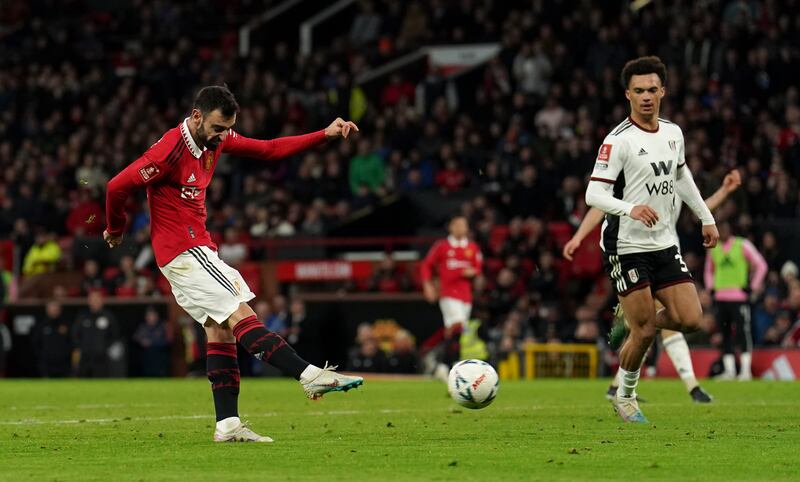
(545,277)
(262,310)
(278,320)
(532,69)
(194,345)
(776,333)
(43,256)
(396,90)
(387,278)
(771,252)
(765,315)
(792,337)
(153,342)
(367,356)
(403,357)
(95,339)
(452,178)
(366,25)
(126,282)
(86,216)
(231,250)
(502,297)
(366,170)
(297,315)
(92,281)
(586,330)
(53,342)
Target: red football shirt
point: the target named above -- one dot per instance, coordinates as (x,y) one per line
(176,172)
(449,257)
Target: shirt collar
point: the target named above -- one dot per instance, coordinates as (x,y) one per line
(456,243)
(189,141)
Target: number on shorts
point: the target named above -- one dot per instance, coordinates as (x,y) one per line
(683,265)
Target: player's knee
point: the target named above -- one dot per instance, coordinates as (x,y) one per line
(645,334)
(218,334)
(690,320)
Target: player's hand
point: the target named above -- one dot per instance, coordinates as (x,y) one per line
(569,249)
(469,272)
(710,236)
(646,215)
(112,240)
(732,181)
(340,128)
(430,292)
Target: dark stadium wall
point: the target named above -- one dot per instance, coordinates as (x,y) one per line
(330,329)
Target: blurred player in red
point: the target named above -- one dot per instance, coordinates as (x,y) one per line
(176,171)
(457,261)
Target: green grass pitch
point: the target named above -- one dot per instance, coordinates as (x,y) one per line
(396,430)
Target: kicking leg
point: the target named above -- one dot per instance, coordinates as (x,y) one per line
(270,348)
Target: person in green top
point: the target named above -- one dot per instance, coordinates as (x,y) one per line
(735,273)
(366,169)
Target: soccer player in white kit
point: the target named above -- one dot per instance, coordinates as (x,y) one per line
(674,342)
(640,170)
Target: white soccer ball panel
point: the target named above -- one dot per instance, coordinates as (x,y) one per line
(473,383)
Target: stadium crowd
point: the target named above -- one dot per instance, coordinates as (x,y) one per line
(83,94)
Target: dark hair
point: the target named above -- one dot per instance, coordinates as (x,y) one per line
(216,97)
(643,66)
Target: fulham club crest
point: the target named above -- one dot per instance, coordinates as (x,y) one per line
(633,275)
(672,145)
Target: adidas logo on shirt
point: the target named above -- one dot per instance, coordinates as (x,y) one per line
(193,179)
(642,152)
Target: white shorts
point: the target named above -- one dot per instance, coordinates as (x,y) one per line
(204,286)
(454,311)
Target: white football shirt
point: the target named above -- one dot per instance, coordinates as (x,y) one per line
(642,165)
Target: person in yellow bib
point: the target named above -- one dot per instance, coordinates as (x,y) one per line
(734,271)
(43,256)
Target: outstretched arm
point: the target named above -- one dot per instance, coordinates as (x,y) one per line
(730,184)
(282,147)
(593,218)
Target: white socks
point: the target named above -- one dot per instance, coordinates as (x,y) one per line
(310,373)
(628,381)
(745,358)
(678,351)
(729,364)
(228,424)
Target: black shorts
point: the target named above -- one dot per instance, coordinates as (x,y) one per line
(657,269)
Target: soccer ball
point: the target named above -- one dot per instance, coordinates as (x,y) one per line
(473,383)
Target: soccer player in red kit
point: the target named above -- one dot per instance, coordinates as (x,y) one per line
(176,171)
(457,261)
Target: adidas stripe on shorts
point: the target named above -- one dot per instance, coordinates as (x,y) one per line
(204,286)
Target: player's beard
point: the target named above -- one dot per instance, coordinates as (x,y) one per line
(203,137)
